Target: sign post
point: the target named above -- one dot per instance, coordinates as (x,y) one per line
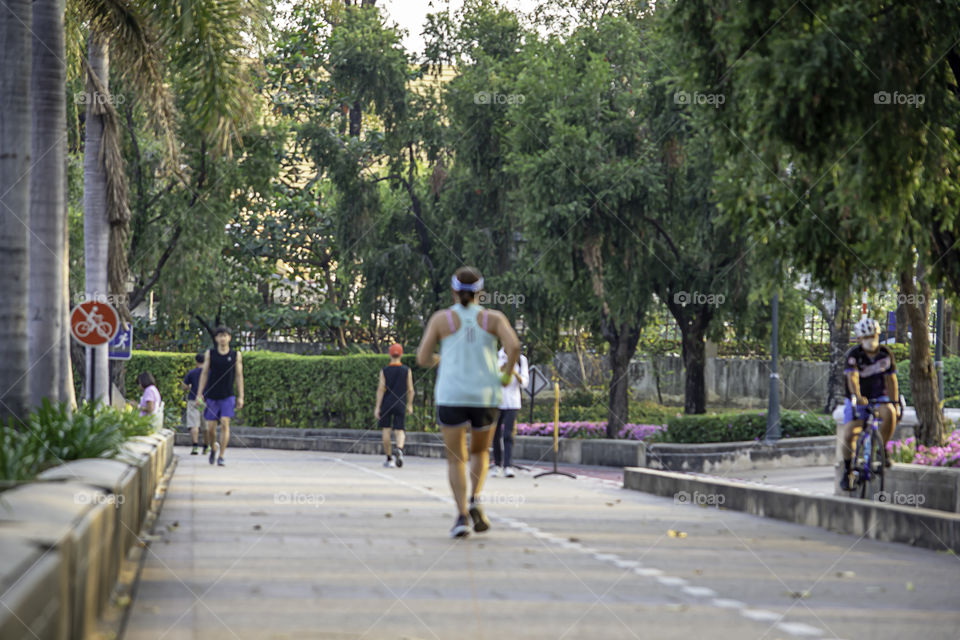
(93,324)
(538,382)
(556,435)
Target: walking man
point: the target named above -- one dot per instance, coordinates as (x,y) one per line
(396,383)
(509,408)
(221,367)
(191,384)
(468,388)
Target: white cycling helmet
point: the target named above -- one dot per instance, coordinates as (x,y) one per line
(866,328)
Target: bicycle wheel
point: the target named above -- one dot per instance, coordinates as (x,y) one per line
(872,483)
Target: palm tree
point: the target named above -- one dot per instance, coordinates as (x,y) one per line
(47,312)
(203,41)
(15,19)
(96,226)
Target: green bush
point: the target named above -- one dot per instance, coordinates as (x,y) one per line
(288,390)
(736,427)
(951,381)
(592,405)
(52,435)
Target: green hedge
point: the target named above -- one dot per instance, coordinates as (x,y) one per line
(736,427)
(951,381)
(286,390)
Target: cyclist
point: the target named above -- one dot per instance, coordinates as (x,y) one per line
(871,376)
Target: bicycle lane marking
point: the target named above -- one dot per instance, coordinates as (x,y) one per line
(707,595)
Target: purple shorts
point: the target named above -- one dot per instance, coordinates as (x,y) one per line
(217,409)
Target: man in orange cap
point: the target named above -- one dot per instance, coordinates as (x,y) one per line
(396,381)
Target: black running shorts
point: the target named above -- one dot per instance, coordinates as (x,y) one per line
(480,418)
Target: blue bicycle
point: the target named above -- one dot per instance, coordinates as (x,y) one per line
(869,461)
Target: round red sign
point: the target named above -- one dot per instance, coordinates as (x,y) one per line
(94,323)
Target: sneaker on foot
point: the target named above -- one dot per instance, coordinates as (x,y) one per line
(399,457)
(480,521)
(494,470)
(507,472)
(220,462)
(205,449)
(460,528)
(388,463)
(214,450)
(845,482)
(195,450)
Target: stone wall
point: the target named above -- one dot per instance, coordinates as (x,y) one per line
(734,382)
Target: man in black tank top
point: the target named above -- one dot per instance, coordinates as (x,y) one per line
(222,366)
(396,385)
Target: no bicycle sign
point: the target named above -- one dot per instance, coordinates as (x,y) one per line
(94,323)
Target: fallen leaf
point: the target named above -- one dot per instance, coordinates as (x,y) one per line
(388,515)
(257,527)
(228,492)
(846,574)
(574,539)
(123,601)
(910,587)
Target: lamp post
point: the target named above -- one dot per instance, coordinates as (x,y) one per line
(773,408)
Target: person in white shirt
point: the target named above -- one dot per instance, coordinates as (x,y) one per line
(509,408)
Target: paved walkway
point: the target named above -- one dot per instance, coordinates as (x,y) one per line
(284,544)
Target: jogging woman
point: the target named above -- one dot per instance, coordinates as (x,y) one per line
(468,389)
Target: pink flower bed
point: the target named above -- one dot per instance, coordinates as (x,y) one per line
(587,430)
(946,456)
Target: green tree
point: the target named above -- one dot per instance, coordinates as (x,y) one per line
(581,162)
(837,139)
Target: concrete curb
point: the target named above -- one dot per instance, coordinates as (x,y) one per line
(726,456)
(910,525)
(64,538)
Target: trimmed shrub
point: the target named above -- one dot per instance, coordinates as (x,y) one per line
(736,427)
(288,390)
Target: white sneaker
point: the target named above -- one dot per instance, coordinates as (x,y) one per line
(494,470)
(508,472)
(389,464)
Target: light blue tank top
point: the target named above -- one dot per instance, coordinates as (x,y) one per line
(468,374)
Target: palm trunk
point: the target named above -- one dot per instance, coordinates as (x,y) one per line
(923,375)
(15,22)
(47,207)
(96,226)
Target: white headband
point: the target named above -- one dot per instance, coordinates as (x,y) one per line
(459,286)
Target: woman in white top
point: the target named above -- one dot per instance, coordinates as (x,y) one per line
(468,389)
(150,402)
(509,408)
